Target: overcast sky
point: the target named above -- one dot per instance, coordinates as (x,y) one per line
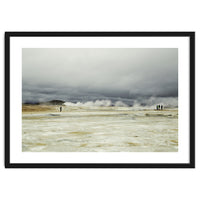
(123,72)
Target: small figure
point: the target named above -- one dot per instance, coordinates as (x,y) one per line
(60,108)
(161,107)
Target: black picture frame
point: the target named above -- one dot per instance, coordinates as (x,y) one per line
(190,35)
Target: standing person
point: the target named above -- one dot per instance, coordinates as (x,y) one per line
(156,107)
(60,108)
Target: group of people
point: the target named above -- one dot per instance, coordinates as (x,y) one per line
(159,107)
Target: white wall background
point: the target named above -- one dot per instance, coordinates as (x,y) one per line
(104,15)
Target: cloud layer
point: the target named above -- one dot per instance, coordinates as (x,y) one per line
(91,73)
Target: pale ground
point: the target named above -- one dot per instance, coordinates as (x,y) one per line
(98,129)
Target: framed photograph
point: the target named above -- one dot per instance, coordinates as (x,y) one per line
(99,99)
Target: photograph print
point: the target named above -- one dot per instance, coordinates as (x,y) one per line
(100,99)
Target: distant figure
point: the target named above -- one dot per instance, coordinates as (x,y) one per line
(60,108)
(159,107)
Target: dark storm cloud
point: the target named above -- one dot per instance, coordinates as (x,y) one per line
(128,73)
